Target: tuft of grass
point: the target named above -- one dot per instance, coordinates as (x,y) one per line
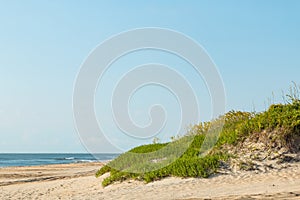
(282,121)
(187,165)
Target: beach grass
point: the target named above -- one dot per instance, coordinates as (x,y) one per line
(279,126)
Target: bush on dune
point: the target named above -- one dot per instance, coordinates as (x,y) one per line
(188,165)
(281,121)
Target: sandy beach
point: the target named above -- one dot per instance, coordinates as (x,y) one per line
(77,181)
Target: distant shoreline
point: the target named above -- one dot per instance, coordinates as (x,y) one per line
(56,164)
(39,159)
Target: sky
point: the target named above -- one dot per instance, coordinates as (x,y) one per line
(254,44)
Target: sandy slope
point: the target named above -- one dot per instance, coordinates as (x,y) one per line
(77,181)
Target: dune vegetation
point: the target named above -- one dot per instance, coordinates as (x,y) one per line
(278,127)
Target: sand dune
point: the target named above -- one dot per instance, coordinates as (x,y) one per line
(77,181)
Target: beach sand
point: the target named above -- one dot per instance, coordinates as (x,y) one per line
(77,181)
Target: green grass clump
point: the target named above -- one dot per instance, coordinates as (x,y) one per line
(234,121)
(280,121)
(281,124)
(278,116)
(189,164)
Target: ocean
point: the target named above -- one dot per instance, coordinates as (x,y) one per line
(31,159)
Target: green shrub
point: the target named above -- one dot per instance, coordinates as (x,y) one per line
(187,165)
(282,121)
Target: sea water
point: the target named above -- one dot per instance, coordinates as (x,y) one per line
(31,159)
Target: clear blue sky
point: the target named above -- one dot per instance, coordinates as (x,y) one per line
(255,45)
